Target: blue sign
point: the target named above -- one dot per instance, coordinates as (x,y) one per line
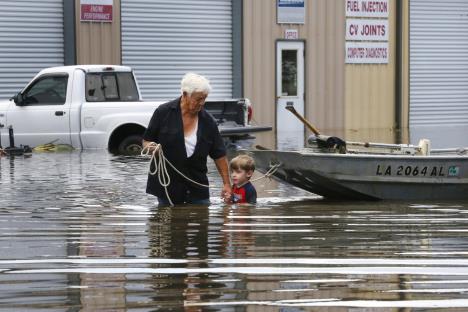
(290,11)
(291,3)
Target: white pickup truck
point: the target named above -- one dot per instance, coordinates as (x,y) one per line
(98,106)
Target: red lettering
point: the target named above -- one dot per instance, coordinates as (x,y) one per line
(352,6)
(374,6)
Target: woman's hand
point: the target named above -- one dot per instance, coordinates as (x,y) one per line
(222,165)
(226,193)
(149,146)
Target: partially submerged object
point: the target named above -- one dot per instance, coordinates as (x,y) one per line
(337,169)
(379,171)
(51,147)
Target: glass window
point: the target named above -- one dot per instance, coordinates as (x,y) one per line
(102,87)
(289,73)
(109,85)
(127,87)
(48,90)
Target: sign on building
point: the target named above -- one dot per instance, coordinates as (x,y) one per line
(291,34)
(366,52)
(367,29)
(290,11)
(96,10)
(367,32)
(367,8)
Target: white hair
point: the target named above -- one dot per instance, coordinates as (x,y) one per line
(192,82)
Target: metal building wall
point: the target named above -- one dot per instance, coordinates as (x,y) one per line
(164,39)
(324,35)
(98,42)
(439,72)
(31,38)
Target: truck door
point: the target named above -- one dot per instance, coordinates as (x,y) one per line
(289,91)
(42,115)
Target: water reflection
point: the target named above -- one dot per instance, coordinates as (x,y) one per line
(77,233)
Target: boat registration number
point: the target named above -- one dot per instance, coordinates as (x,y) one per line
(418,171)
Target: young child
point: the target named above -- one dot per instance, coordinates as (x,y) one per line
(242,168)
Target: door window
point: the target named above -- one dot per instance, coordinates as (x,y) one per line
(48,90)
(289,73)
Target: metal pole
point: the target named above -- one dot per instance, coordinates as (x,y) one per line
(12,138)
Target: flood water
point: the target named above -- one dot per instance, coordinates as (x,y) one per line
(78,233)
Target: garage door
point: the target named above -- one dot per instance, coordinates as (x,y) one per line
(162,40)
(439,72)
(31,38)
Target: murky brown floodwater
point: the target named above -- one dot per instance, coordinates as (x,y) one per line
(77,233)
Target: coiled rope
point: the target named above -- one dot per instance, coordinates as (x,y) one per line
(160,168)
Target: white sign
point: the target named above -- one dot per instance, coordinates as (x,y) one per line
(96,10)
(367,8)
(367,53)
(291,34)
(290,11)
(367,29)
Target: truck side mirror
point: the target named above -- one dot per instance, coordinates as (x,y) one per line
(18,99)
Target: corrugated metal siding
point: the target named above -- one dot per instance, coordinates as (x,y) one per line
(438,62)
(31,38)
(162,40)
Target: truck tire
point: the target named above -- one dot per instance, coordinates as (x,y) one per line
(131,145)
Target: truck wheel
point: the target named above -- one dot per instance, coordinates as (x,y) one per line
(131,145)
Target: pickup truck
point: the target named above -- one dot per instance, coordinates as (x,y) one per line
(99,106)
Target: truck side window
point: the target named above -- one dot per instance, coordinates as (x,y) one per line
(102,87)
(48,90)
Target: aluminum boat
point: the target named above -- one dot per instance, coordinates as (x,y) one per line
(369,171)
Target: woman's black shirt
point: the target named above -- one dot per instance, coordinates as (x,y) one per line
(166,128)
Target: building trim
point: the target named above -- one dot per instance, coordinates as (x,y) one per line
(237,49)
(398,70)
(69,32)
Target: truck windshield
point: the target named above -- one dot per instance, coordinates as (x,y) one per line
(105,86)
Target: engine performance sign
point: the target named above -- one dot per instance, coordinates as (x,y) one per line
(96,10)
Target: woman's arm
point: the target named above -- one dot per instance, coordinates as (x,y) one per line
(222,165)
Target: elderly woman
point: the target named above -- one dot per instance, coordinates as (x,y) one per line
(187,134)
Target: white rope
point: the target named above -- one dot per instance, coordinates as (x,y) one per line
(160,168)
(269,173)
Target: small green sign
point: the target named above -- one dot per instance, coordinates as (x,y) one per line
(453,171)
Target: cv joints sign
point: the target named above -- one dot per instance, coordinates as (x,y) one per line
(96,10)
(367,29)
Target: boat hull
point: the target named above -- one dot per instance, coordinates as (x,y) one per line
(370,177)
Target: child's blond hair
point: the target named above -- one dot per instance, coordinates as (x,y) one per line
(244,162)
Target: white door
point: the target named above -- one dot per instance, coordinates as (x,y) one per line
(43,115)
(289,91)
